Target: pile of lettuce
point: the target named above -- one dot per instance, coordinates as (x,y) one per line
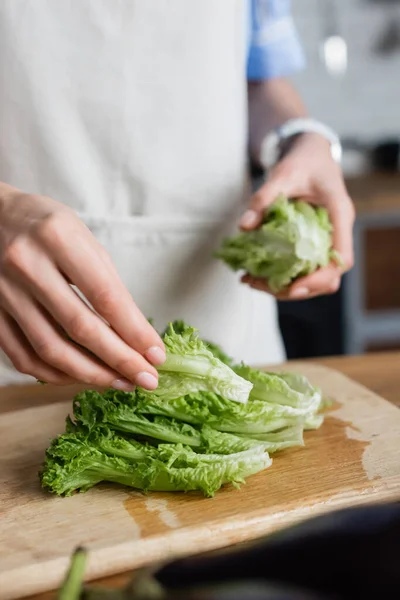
(208,423)
(294,240)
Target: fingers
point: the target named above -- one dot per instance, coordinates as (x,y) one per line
(48,343)
(308,172)
(284,179)
(341,212)
(81,325)
(21,354)
(327,280)
(263,198)
(261,285)
(342,215)
(45,250)
(322,282)
(87,329)
(97,278)
(256,283)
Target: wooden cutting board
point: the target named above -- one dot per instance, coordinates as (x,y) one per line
(353,459)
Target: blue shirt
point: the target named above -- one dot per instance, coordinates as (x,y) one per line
(274,46)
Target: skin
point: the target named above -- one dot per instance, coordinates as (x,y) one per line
(44,247)
(49,332)
(307,171)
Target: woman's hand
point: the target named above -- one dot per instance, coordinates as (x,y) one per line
(44,248)
(308,172)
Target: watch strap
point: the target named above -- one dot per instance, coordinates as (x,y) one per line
(271,146)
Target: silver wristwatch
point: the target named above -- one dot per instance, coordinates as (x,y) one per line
(273,145)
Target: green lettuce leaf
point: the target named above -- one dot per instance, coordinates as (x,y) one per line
(74,462)
(219,442)
(188,434)
(227,443)
(197,421)
(289,389)
(213,445)
(313,422)
(191,367)
(294,240)
(180,327)
(91,409)
(276,441)
(256,416)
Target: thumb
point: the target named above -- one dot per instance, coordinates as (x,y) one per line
(262,199)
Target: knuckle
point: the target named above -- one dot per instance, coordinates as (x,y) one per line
(349,263)
(48,352)
(106,301)
(334,286)
(99,379)
(78,373)
(124,365)
(257,200)
(81,328)
(51,229)
(23,364)
(132,366)
(14,255)
(89,374)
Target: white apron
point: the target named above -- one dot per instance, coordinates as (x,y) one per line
(134,113)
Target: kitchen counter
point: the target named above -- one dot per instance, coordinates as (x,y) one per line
(378,372)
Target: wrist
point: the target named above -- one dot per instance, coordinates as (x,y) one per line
(295,132)
(306,140)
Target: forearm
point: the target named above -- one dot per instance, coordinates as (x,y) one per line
(271,103)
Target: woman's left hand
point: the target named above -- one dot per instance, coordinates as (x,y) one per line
(309,172)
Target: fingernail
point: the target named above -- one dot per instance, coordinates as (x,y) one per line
(249,219)
(300,293)
(146,380)
(156,355)
(124,385)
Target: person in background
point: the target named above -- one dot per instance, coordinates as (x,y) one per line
(125,131)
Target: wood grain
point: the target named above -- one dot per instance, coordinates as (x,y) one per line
(379,372)
(353,459)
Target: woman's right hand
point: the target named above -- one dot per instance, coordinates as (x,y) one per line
(44,248)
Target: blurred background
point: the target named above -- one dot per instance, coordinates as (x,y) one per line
(352,82)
